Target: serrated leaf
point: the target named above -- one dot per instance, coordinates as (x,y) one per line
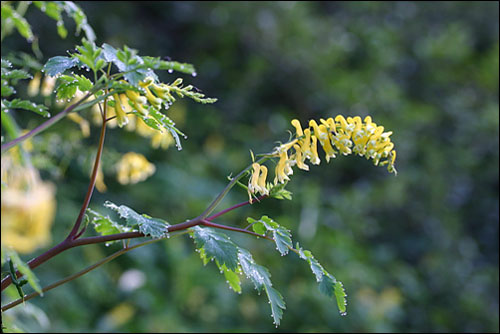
(277,304)
(80,19)
(59,64)
(68,85)
(15,75)
(216,246)
(232,278)
(328,285)
(153,227)
(258,274)
(261,278)
(24,269)
(26,105)
(22,26)
(105,226)
(278,191)
(341,297)
(280,234)
(109,53)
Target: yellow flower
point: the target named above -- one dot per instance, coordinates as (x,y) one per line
(282,169)
(300,158)
(298,127)
(48,85)
(133,167)
(121,117)
(28,207)
(162,139)
(257,182)
(99,181)
(34,85)
(365,138)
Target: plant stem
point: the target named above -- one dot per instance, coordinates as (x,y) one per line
(234,229)
(234,207)
(224,192)
(44,125)
(81,273)
(86,201)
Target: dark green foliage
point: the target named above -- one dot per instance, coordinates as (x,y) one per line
(152,227)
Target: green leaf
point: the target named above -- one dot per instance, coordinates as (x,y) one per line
(24,269)
(26,105)
(80,19)
(105,226)
(232,278)
(258,274)
(68,84)
(328,285)
(280,234)
(159,64)
(341,297)
(278,191)
(59,64)
(109,53)
(261,278)
(216,246)
(277,304)
(22,26)
(153,227)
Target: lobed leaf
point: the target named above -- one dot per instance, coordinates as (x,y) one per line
(216,246)
(26,105)
(105,226)
(281,235)
(328,285)
(233,260)
(153,227)
(59,64)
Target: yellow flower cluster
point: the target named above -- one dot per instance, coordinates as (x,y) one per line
(28,206)
(134,167)
(339,135)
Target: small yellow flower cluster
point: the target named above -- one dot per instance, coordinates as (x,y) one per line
(134,167)
(28,206)
(339,135)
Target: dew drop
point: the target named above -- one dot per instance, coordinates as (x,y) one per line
(194,74)
(343,314)
(170,70)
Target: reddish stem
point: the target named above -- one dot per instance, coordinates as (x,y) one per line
(233,207)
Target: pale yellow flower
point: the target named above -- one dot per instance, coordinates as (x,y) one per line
(134,167)
(28,207)
(34,85)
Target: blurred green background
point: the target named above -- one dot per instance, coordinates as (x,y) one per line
(416,253)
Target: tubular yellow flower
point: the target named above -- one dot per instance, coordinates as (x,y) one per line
(315,160)
(133,167)
(298,127)
(262,181)
(285,147)
(282,169)
(305,144)
(299,158)
(253,184)
(121,117)
(34,85)
(364,137)
(156,102)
